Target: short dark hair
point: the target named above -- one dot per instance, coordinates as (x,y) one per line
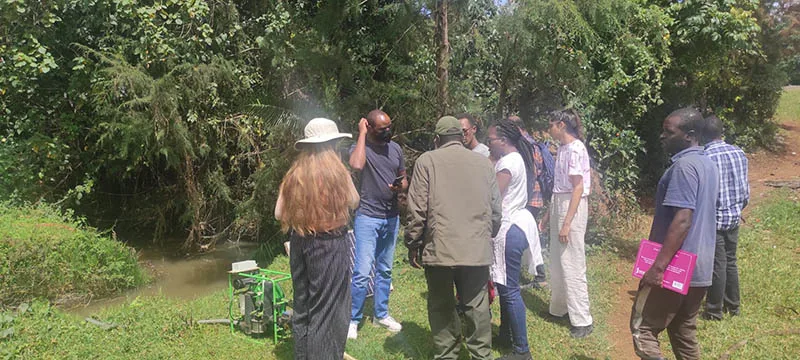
(516,120)
(713,129)
(691,120)
(469,118)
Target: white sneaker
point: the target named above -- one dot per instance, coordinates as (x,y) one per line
(352,332)
(390,324)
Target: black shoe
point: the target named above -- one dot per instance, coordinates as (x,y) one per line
(580,332)
(547,316)
(733,312)
(515,356)
(710,317)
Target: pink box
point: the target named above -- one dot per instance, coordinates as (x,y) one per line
(678,274)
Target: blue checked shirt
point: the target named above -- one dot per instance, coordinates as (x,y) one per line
(734,189)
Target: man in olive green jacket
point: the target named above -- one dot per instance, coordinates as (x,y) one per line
(454,210)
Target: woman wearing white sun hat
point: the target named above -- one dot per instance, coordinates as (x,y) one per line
(314,204)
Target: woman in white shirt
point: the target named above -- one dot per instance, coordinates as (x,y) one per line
(518,232)
(569,212)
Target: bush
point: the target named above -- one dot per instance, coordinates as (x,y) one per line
(45,253)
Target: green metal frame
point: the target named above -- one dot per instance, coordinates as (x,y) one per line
(275,277)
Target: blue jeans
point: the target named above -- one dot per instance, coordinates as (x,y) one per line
(375,241)
(512,309)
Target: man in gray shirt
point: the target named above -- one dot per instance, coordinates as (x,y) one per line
(379,162)
(684,220)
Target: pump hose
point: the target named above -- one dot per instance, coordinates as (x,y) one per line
(216,321)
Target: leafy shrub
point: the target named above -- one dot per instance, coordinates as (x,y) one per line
(45,253)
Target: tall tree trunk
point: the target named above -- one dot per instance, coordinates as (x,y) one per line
(443,58)
(501,98)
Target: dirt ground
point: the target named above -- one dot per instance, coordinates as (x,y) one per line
(763,166)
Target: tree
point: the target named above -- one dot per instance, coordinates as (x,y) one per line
(443,57)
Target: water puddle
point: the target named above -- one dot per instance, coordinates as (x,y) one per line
(178,276)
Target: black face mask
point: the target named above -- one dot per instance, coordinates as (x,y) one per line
(385,135)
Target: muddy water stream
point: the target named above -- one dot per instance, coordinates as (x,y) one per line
(178,276)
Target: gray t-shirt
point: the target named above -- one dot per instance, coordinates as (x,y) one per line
(384,163)
(690,183)
(481,149)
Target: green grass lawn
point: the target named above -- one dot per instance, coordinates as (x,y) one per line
(156,328)
(769,268)
(547,340)
(789,106)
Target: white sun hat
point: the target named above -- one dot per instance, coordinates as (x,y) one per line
(320,130)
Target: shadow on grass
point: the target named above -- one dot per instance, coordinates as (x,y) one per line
(627,250)
(284,350)
(581,357)
(414,342)
(534,302)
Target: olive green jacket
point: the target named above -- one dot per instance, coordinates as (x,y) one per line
(454,207)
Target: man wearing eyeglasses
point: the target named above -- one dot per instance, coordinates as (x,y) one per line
(469,128)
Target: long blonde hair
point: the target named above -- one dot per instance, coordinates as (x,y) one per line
(317,192)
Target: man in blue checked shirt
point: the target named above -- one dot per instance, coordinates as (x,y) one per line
(734,193)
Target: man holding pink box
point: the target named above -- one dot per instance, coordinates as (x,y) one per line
(684,220)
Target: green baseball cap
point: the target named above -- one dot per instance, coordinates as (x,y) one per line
(448,125)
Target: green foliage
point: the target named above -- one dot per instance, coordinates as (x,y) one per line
(47,254)
(723,63)
(784,22)
(607,58)
(178,117)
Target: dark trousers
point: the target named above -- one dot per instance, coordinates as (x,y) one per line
(512,308)
(321,281)
(656,309)
(544,240)
(470,282)
(724,291)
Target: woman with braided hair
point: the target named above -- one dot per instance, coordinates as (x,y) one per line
(518,232)
(569,214)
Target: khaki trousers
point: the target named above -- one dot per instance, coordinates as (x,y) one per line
(470,282)
(656,309)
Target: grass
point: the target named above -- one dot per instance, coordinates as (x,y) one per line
(768,258)
(155,328)
(547,340)
(47,254)
(789,106)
